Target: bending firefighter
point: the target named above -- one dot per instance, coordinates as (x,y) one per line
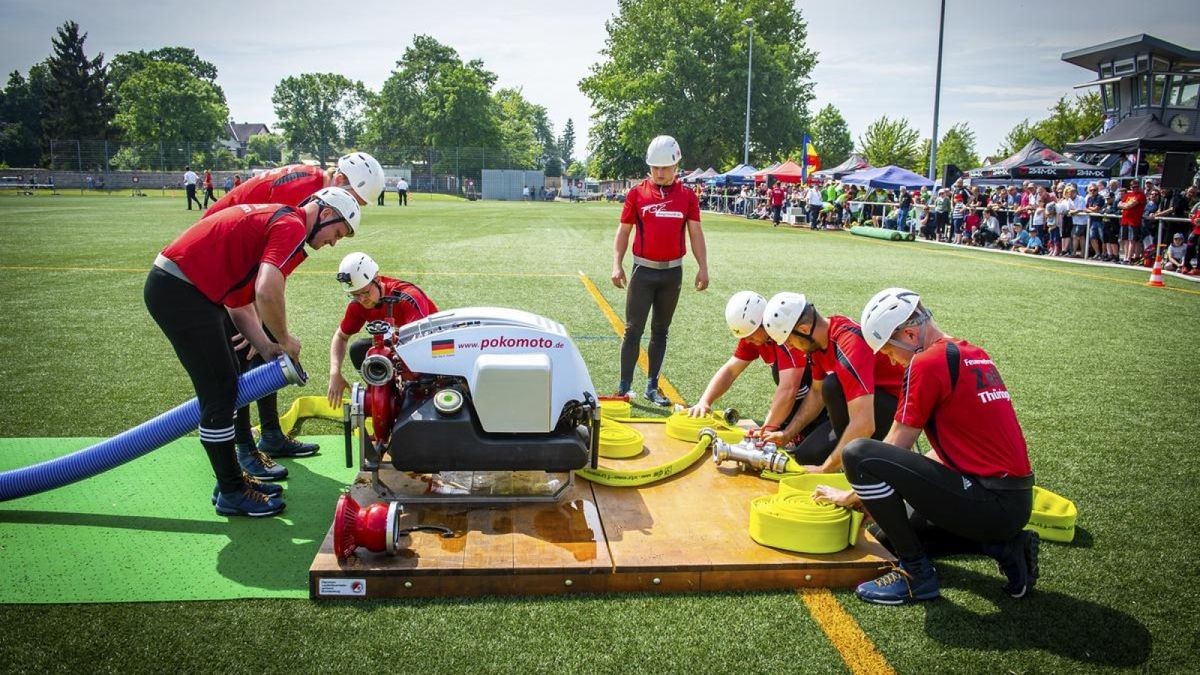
(858,389)
(362,176)
(976,482)
(372,297)
(662,210)
(233,265)
(790,368)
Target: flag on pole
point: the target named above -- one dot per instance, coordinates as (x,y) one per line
(810,160)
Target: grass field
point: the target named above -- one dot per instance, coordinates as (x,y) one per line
(1102,370)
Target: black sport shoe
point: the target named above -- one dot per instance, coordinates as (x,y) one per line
(656,398)
(256,463)
(268,489)
(277,445)
(1018,561)
(248,502)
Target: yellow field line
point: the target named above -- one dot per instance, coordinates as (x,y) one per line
(843,631)
(619,326)
(1046,268)
(30,268)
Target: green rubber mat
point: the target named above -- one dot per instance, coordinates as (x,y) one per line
(147,531)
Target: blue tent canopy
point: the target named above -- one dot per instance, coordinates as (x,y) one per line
(738,175)
(888,178)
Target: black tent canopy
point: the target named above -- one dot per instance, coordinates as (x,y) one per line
(1143,132)
(1037,161)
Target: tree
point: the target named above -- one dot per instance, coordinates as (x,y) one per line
(21,117)
(566,143)
(165,102)
(957,147)
(831,136)
(320,113)
(77,104)
(889,142)
(432,98)
(1069,121)
(680,68)
(266,147)
(124,65)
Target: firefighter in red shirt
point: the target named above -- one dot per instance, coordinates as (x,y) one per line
(975,484)
(790,368)
(777,195)
(360,279)
(859,389)
(357,172)
(662,210)
(362,175)
(208,188)
(233,265)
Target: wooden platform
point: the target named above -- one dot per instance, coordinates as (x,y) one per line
(687,533)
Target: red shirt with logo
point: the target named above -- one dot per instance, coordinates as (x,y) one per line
(221,253)
(286,185)
(659,216)
(970,422)
(413,305)
(1132,216)
(777,195)
(859,371)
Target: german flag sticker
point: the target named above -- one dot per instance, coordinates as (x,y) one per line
(442,347)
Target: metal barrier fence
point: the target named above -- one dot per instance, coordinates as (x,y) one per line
(113,165)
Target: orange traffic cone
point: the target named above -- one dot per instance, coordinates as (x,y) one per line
(1156,273)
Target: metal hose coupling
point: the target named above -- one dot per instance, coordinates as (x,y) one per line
(378,370)
(750,456)
(292,370)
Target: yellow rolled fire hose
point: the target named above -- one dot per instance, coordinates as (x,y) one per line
(792,521)
(1053,516)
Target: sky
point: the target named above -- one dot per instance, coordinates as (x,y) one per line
(1002,59)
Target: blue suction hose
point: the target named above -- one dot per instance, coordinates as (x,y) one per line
(142,439)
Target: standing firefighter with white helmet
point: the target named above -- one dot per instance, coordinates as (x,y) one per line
(976,483)
(362,177)
(359,278)
(790,367)
(659,211)
(859,389)
(226,271)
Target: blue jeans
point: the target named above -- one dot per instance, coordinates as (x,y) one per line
(902,221)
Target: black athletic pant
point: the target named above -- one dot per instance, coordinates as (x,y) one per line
(821,420)
(381,195)
(358,351)
(402,197)
(776,214)
(208,194)
(985,510)
(817,446)
(268,406)
(649,289)
(196,328)
(191,197)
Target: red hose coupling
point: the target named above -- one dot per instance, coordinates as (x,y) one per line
(375,527)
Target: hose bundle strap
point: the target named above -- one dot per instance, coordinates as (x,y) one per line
(792,521)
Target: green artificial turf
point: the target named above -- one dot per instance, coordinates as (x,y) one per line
(1102,372)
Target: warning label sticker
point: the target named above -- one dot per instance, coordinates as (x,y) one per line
(354,587)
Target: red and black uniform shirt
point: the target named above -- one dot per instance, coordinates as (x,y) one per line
(208,180)
(859,371)
(966,414)
(659,216)
(777,195)
(780,358)
(413,305)
(288,185)
(221,253)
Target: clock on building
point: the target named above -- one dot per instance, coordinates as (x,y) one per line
(1181,124)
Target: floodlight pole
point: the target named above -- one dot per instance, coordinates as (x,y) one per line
(937,96)
(749,67)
